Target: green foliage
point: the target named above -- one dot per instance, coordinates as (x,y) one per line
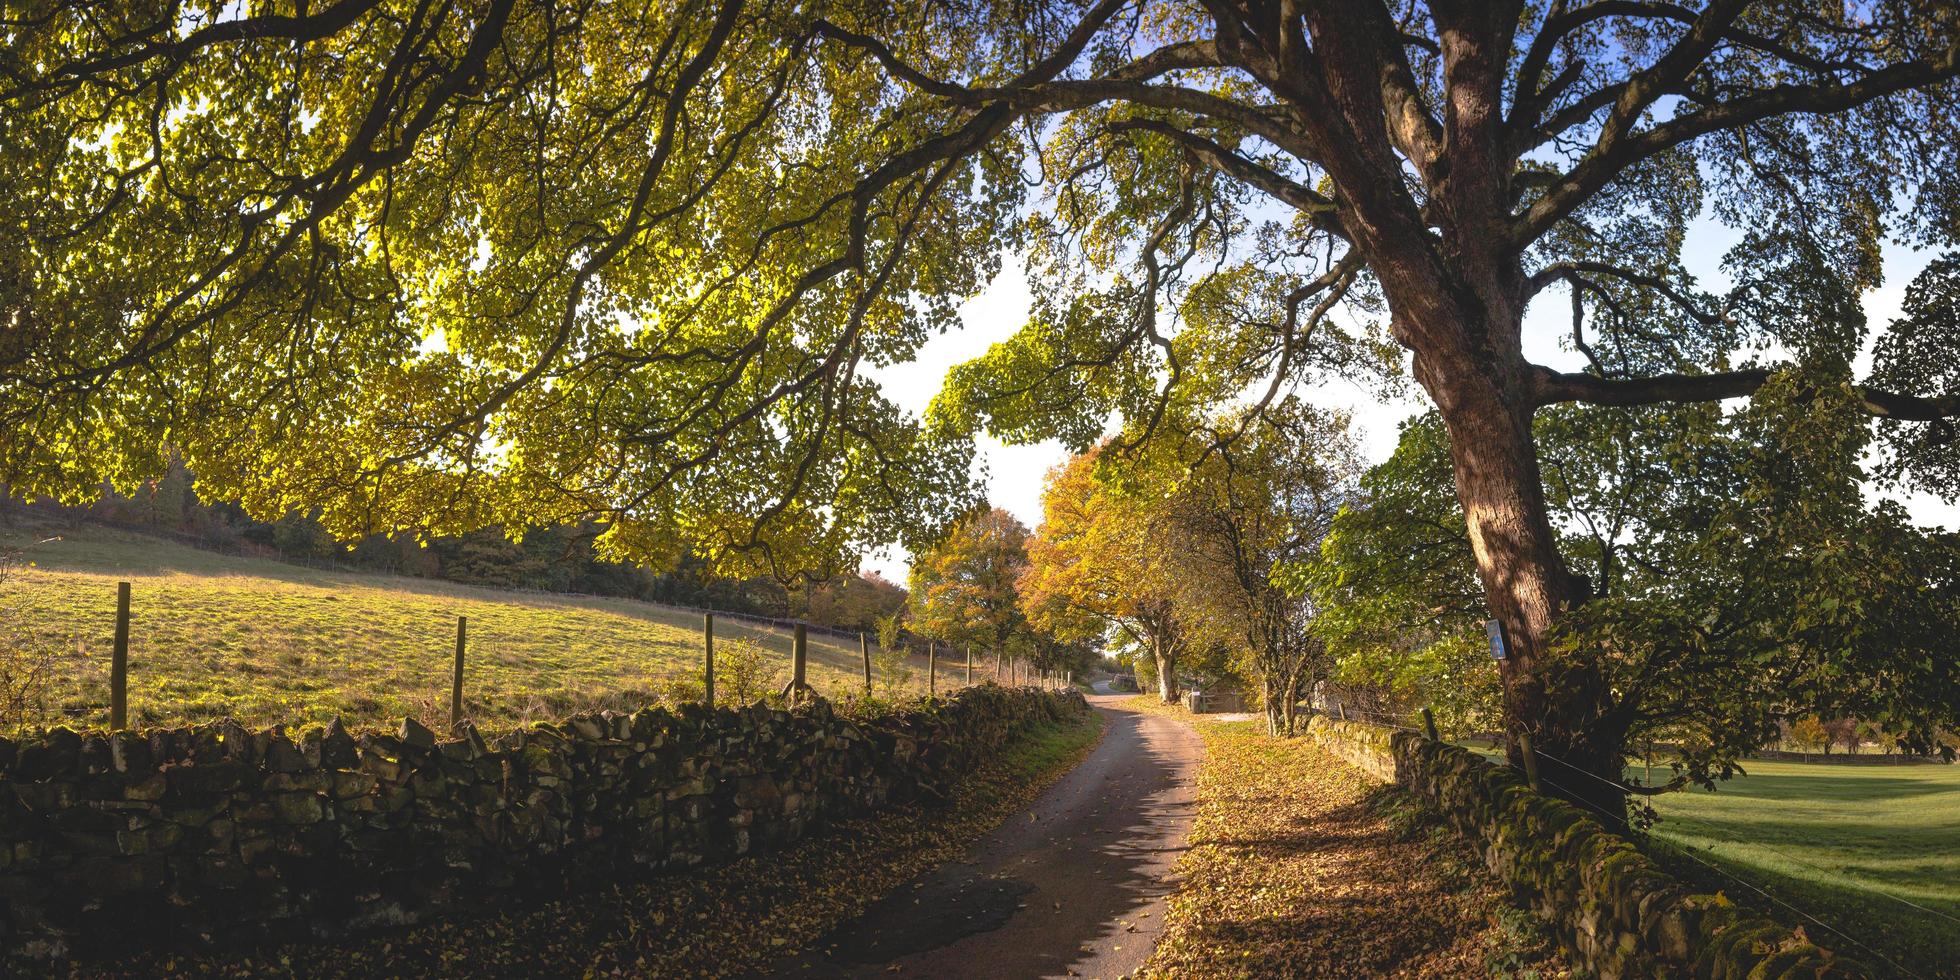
(890,627)
(891,669)
(746,671)
(1248,496)
(1915,353)
(1400,606)
(1739,576)
(571,261)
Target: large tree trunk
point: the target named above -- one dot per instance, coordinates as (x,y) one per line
(1561,701)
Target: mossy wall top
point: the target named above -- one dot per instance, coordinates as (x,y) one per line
(220,835)
(1616,912)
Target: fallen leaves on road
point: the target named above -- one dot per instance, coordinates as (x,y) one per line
(740,916)
(1301,867)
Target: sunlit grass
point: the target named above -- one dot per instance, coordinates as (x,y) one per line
(1869,851)
(214,635)
(1842,843)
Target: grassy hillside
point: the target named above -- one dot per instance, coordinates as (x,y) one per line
(1835,841)
(263,641)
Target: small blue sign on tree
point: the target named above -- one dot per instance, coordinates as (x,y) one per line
(1497,649)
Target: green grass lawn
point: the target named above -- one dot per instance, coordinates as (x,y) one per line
(213,635)
(1834,841)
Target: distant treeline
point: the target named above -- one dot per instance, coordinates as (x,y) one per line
(548,559)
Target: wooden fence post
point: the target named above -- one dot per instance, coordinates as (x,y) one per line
(969,665)
(708,659)
(456,682)
(119,662)
(1342,708)
(1000,677)
(932,667)
(799,652)
(1429,723)
(864,648)
(1530,761)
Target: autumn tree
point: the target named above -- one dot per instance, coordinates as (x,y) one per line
(524,261)
(853,602)
(1103,560)
(965,588)
(1251,498)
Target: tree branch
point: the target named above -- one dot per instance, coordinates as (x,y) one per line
(1552,387)
(1571,270)
(1231,164)
(1615,150)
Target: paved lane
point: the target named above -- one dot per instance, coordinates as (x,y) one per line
(1072,887)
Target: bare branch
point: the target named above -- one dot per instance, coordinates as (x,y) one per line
(1571,270)
(1552,387)
(1616,150)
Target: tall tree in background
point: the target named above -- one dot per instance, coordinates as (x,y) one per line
(1250,510)
(964,589)
(1104,560)
(531,260)
(853,602)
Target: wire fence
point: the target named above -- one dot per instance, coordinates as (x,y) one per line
(448,677)
(1565,789)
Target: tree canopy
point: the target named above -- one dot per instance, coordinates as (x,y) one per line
(1250,510)
(429,266)
(965,588)
(1104,560)
(1740,579)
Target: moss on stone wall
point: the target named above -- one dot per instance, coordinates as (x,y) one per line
(1615,910)
(220,835)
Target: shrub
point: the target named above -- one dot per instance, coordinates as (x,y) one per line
(894,672)
(681,689)
(744,670)
(25,669)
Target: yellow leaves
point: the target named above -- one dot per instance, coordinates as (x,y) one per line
(1296,869)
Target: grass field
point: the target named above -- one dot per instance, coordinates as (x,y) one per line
(213,635)
(1855,847)
(1835,841)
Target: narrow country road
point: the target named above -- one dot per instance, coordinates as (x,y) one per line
(1072,887)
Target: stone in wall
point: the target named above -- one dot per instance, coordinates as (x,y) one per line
(217,835)
(1617,913)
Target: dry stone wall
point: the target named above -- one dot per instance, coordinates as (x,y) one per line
(219,835)
(1616,912)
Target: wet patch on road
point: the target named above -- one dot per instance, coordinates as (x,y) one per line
(916,920)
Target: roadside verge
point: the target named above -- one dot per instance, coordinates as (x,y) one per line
(1301,866)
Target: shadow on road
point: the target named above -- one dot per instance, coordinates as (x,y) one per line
(1073,886)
